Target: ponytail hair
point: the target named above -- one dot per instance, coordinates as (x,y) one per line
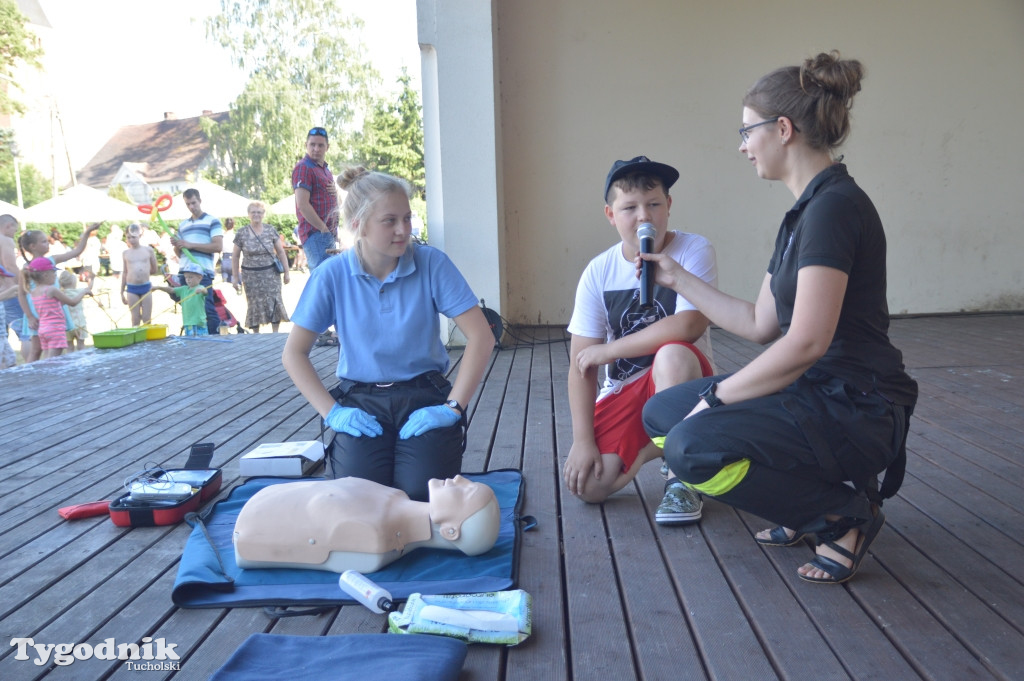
(28,238)
(816,96)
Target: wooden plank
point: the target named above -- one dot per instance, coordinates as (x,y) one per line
(959,541)
(506,451)
(968,595)
(657,619)
(187,629)
(540,571)
(507,446)
(41,593)
(708,618)
(598,644)
(484,415)
(223,640)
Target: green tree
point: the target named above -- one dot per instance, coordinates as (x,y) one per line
(306,67)
(267,120)
(35,187)
(392,137)
(18,45)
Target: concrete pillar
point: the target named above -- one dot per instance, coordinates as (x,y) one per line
(461,139)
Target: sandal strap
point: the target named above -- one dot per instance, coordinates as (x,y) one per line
(837,571)
(845,553)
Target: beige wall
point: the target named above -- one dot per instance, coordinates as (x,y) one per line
(937,136)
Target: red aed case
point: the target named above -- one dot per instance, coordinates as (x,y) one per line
(205,483)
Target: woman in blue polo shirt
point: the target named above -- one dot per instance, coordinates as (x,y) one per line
(397,419)
(800,434)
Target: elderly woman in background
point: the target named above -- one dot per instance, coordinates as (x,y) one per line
(257,263)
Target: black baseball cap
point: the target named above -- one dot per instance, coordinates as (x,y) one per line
(641,164)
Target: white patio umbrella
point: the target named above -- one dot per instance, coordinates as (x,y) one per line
(285,206)
(216,201)
(81,204)
(11,209)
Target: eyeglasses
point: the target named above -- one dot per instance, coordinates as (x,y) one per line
(745,132)
(322,132)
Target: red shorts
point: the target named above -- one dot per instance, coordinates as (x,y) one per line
(618,416)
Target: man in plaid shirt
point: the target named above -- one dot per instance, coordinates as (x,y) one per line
(316,200)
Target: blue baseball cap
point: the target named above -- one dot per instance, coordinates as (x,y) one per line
(189,266)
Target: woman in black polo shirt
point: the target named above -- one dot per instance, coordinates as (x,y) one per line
(800,434)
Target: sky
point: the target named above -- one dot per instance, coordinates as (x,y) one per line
(124,62)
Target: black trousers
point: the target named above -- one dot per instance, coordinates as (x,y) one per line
(403,464)
(791,457)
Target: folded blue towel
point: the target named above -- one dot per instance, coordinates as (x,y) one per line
(352,657)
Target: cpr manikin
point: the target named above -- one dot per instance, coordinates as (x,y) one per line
(355,524)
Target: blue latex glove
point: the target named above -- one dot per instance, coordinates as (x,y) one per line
(353,421)
(428,418)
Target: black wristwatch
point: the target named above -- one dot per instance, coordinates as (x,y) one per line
(454,404)
(709,396)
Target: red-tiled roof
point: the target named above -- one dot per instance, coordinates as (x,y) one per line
(165,151)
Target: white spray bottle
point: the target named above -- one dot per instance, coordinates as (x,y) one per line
(366,591)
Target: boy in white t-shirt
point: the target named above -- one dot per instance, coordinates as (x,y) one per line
(643,350)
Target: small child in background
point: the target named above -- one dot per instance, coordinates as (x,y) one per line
(77,333)
(192,298)
(46,302)
(35,244)
(139,265)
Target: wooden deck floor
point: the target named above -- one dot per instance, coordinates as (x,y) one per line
(615,596)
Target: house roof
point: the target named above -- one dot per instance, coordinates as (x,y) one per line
(163,151)
(33,11)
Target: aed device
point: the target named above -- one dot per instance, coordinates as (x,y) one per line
(165,497)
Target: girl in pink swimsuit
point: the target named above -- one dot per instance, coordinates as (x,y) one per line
(47,299)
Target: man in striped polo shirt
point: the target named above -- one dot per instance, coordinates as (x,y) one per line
(202,234)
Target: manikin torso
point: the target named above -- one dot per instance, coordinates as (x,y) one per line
(356,524)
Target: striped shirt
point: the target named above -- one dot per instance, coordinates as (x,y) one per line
(201,231)
(50,312)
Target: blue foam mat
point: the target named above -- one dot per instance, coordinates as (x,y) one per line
(352,657)
(202,583)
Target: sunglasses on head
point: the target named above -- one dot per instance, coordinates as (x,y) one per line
(322,132)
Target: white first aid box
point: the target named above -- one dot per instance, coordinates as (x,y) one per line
(282,459)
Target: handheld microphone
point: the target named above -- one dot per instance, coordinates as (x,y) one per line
(646,234)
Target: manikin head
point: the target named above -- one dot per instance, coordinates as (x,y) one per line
(465,513)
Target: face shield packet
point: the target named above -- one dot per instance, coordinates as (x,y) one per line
(499,617)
